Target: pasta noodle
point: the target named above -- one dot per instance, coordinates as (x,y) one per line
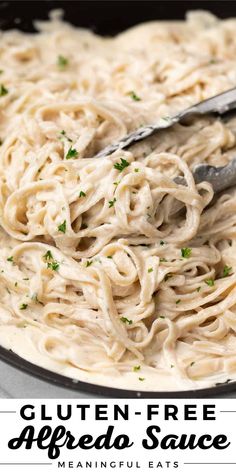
(110,271)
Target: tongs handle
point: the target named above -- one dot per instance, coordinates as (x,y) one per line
(218,104)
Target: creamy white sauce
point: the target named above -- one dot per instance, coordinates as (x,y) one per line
(111,272)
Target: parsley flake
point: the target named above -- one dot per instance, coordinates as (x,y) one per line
(62,227)
(54,265)
(162,243)
(186,252)
(10,259)
(121,165)
(64,135)
(112,203)
(163,259)
(62,61)
(178,301)
(136,368)
(126,320)
(72,153)
(141,379)
(82,194)
(23,306)
(165,118)
(210,282)
(198,289)
(88,263)
(150,270)
(226,271)
(134,96)
(136,170)
(48,256)
(3,90)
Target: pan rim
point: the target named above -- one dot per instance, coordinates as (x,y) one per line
(59,380)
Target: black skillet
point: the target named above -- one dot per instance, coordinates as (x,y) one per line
(106,18)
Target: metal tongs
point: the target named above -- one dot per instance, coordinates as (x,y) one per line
(221,178)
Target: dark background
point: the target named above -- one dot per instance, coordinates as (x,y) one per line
(106,17)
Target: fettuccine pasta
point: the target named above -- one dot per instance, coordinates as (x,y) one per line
(111,272)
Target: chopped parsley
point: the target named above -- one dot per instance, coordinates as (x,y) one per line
(10,259)
(82,194)
(72,153)
(141,379)
(163,259)
(226,271)
(136,368)
(47,256)
(54,265)
(126,320)
(88,263)
(198,289)
(171,366)
(134,96)
(210,282)
(62,61)
(23,306)
(150,270)
(109,257)
(162,243)
(178,301)
(186,252)
(112,203)
(64,135)
(116,183)
(62,227)
(121,165)
(136,170)
(16,283)
(3,90)
(192,363)
(26,278)
(165,118)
